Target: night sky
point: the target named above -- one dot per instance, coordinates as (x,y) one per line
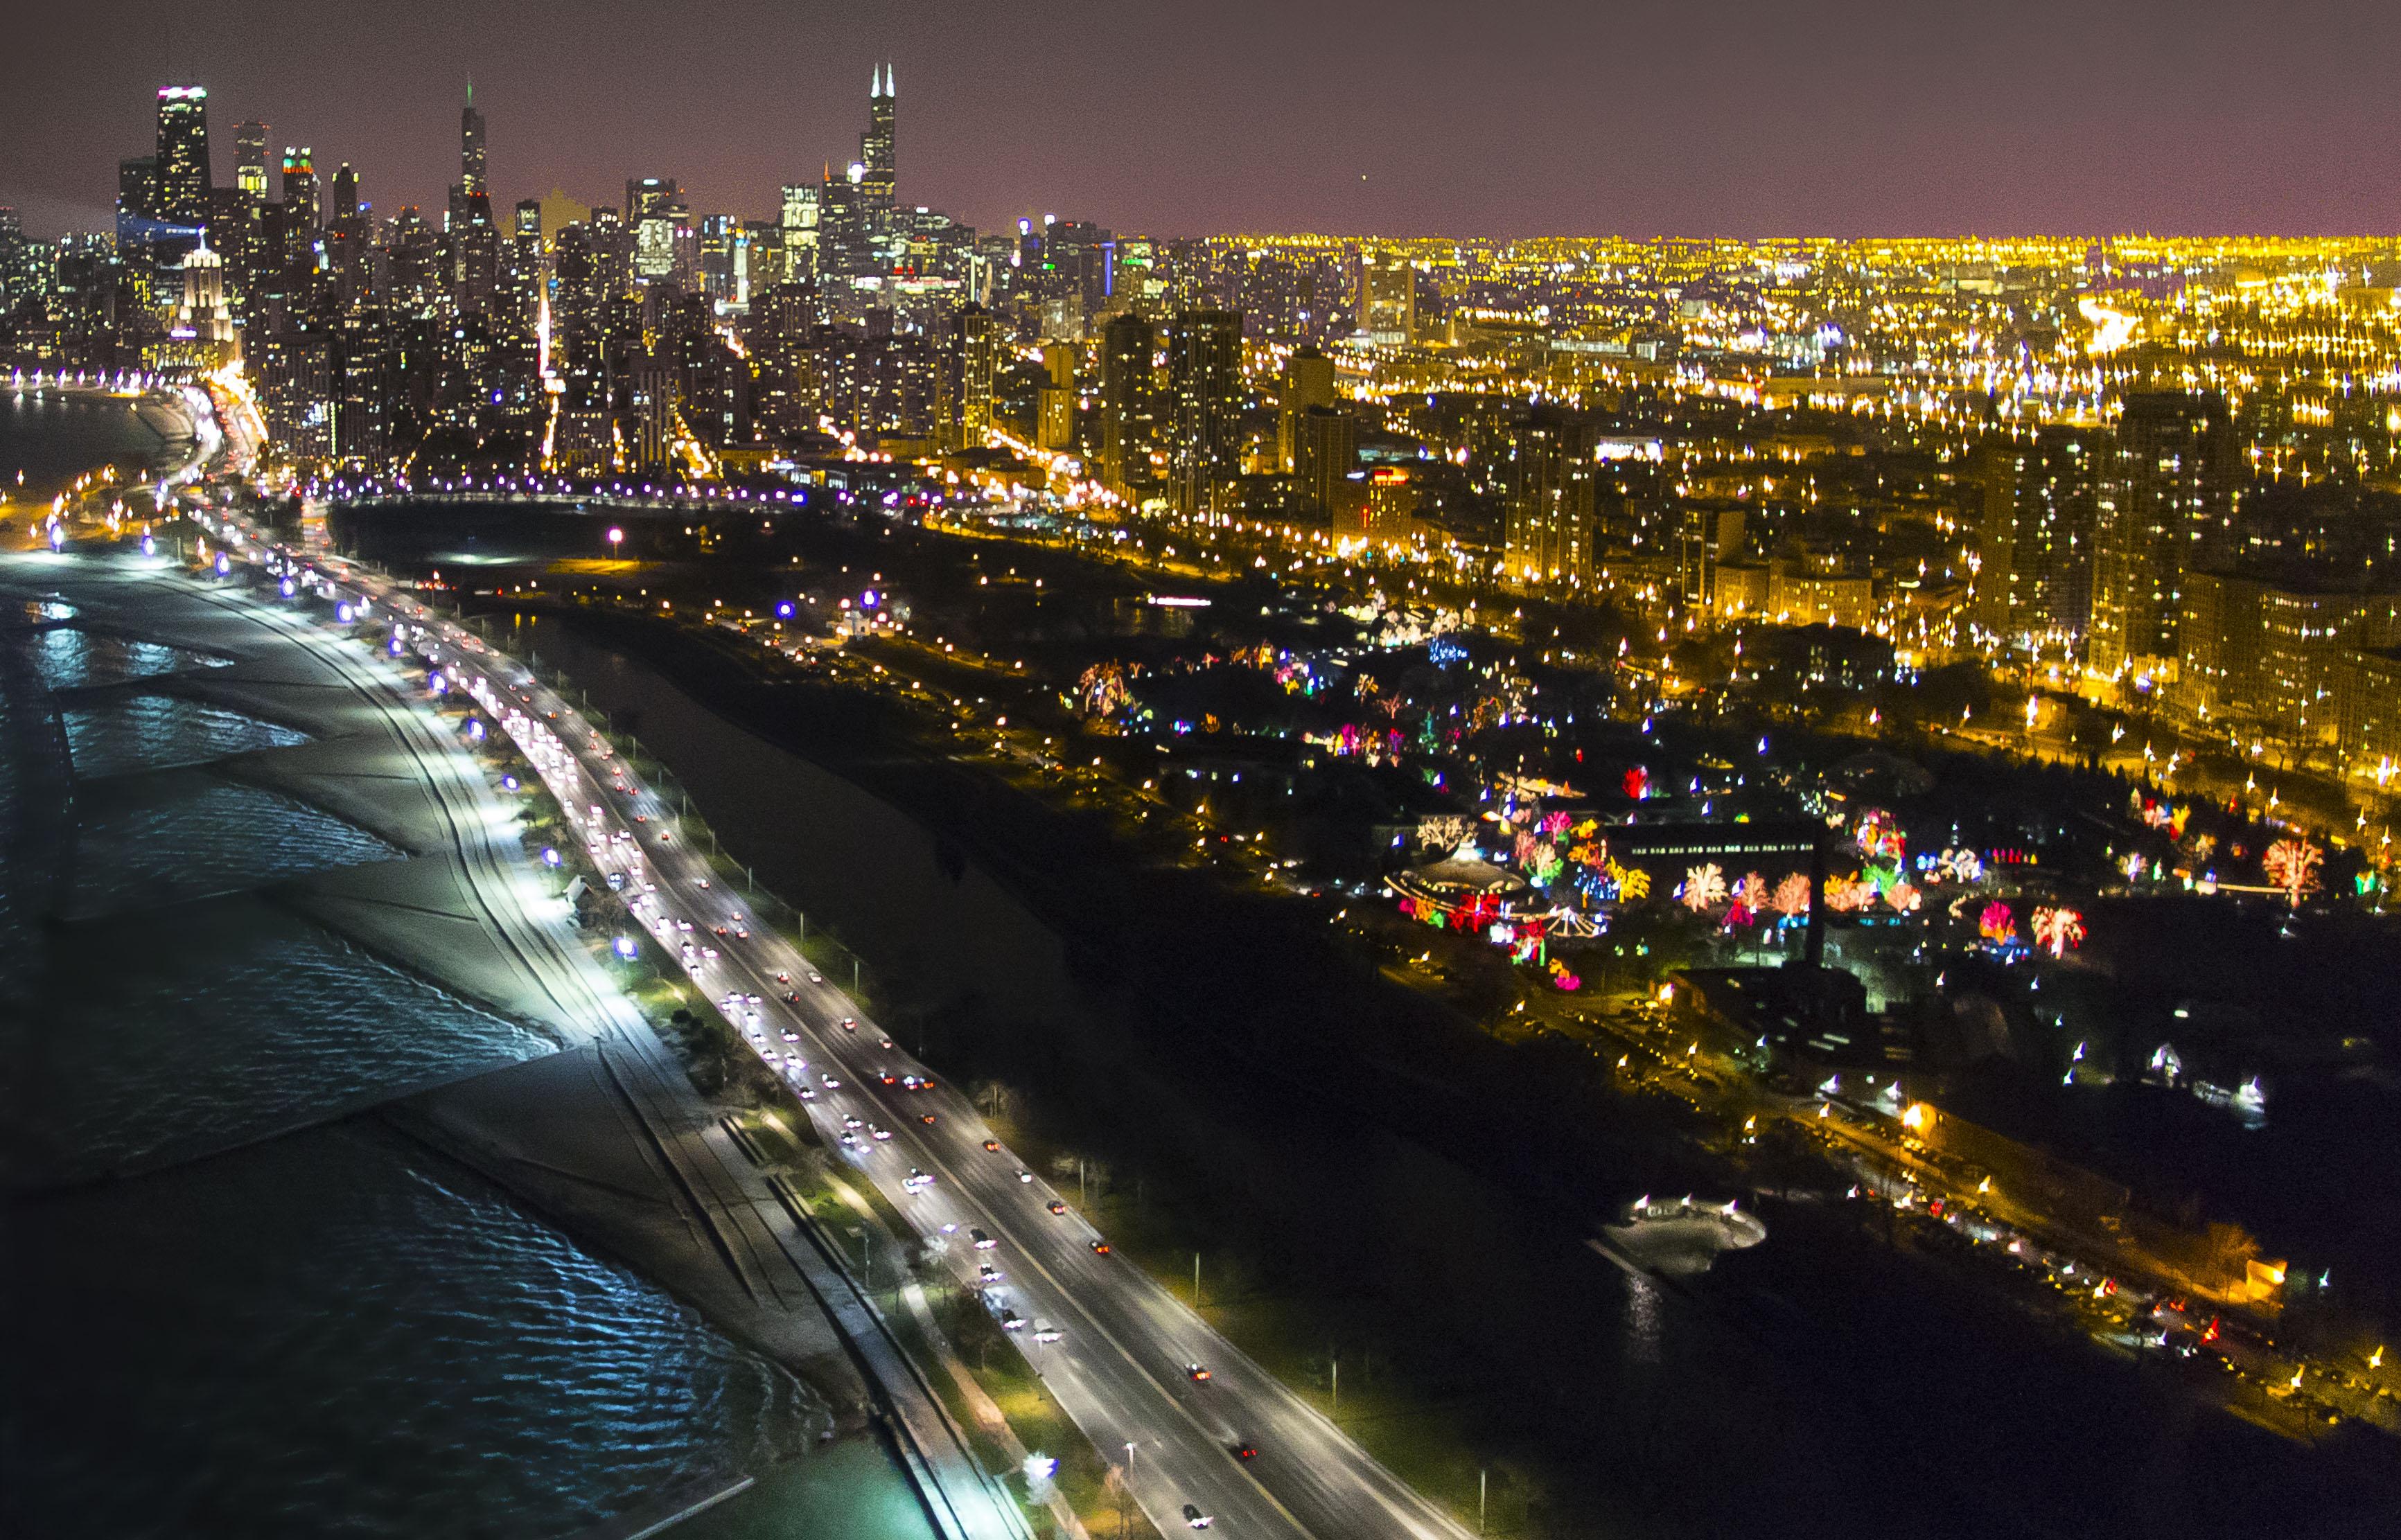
(1485,117)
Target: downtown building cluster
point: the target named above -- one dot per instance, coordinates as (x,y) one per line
(2161,472)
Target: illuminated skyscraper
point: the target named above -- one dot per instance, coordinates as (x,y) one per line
(2165,507)
(1308,381)
(880,180)
(978,365)
(250,159)
(1550,488)
(300,194)
(471,147)
(800,225)
(1204,379)
(180,183)
(1388,297)
(1055,418)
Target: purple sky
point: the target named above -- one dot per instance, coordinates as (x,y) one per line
(1396,116)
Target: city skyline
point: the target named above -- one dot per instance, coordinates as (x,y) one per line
(1858,120)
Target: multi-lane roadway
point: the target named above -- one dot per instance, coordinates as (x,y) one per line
(1116,1350)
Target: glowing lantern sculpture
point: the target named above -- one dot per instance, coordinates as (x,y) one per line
(2058,928)
(2292,865)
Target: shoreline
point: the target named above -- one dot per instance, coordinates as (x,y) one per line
(182,419)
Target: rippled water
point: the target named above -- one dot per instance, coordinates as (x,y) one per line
(327,1332)
(142,732)
(158,840)
(68,659)
(238,1019)
(342,1334)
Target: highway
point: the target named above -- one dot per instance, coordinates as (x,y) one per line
(1118,1366)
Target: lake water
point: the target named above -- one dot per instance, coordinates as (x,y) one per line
(327,1332)
(53,438)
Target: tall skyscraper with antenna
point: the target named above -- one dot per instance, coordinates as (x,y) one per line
(471,147)
(875,145)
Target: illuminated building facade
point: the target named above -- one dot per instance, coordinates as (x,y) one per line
(1550,500)
(1204,383)
(2165,507)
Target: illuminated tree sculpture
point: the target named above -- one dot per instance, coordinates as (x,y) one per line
(1791,898)
(1997,923)
(2058,928)
(1705,888)
(1750,893)
(1633,882)
(1443,832)
(2292,865)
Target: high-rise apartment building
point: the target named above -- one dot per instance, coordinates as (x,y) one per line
(2034,577)
(1550,493)
(1325,453)
(2164,507)
(977,346)
(1204,386)
(1128,405)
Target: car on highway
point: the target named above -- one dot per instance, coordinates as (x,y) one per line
(1010,1320)
(792,1036)
(829,1082)
(1044,1333)
(852,1120)
(986,1273)
(815,977)
(1195,1519)
(1100,1248)
(992,1144)
(878,1133)
(1024,1176)
(926,1118)
(915,1180)
(1197,1373)
(1246,1450)
(982,1240)
(1056,1207)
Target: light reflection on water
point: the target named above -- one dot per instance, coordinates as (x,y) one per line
(68,659)
(341,1333)
(204,837)
(142,732)
(1642,1319)
(236,1020)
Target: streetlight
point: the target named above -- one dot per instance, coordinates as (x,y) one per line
(616,539)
